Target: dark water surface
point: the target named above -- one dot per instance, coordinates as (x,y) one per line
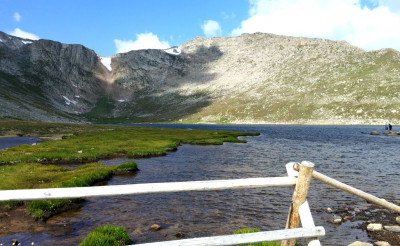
(370,163)
(8,142)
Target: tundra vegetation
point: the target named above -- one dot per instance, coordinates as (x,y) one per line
(107,235)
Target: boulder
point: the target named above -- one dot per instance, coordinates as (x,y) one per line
(374,227)
(398,219)
(392,228)
(374,133)
(358,243)
(381,243)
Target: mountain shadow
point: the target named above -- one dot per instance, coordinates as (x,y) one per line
(148,86)
(163,107)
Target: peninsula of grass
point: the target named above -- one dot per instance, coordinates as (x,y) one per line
(36,176)
(107,235)
(89,143)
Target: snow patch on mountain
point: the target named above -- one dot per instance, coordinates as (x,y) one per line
(174,50)
(69,101)
(106,62)
(26,42)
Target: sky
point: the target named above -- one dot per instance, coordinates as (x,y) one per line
(110,27)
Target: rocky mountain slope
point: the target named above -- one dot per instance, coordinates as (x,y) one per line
(253,78)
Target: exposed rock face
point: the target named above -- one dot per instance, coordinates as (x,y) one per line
(47,80)
(250,78)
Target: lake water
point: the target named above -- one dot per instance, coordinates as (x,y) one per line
(8,142)
(367,162)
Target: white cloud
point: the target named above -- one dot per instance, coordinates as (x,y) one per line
(17,17)
(19,33)
(211,28)
(368,28)
(143,41)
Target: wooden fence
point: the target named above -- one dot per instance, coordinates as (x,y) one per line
(299,177)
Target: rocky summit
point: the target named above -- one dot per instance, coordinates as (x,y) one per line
(252,78)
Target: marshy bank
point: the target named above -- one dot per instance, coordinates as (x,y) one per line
(37,165)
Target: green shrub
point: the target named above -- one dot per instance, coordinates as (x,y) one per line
(107,235)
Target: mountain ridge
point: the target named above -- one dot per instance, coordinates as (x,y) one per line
(252,78)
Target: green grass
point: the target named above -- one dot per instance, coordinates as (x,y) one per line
(250,230)
(36,176)
(107,235)
(92,142)
(32,128)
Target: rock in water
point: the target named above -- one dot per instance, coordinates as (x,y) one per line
(336,220)
(155,227)
(392,228)
(382,243)
(374,227)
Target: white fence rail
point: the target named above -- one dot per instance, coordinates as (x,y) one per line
(136,189)
(299,176)
(256,237)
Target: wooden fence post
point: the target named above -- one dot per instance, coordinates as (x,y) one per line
(306,169)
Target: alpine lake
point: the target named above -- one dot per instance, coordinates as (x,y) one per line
(347,153)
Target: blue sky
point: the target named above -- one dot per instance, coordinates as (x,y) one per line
(109,27)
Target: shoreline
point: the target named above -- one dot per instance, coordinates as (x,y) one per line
(324,123)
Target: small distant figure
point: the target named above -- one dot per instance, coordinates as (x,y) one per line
(15,242)
(390,127)
(387,126)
